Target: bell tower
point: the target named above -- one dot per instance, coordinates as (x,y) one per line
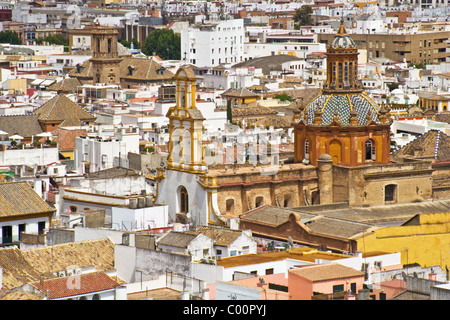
(185,127)
(342,65)
(105,60)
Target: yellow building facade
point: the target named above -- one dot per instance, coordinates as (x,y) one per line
(425,239)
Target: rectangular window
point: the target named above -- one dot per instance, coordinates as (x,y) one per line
(353,287)
(389,193)
(338,288)
(41,227)
(21,229)
(7,234)
(269,271)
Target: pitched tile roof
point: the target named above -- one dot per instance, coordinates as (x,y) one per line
(325,272)
(275,121)
(258,111)
(89,283)
(241,93)
(98,253)
(177,239)
(31,265)
(314,223)
(19,198)
(62,109)
(66,85)
(24,125)
(221,236)
(268,63)
(66,138)
(434,144)
(144,69)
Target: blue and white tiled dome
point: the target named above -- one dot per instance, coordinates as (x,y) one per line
(341,105)
(342,40)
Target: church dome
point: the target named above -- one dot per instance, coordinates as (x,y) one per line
(342,40)
(341,107)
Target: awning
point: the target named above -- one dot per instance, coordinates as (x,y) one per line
(37,82)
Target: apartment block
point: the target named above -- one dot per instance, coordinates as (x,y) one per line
(426,47)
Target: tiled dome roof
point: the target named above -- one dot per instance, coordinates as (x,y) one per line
(359,105)
(342,40)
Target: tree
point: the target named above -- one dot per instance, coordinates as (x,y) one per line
(284,97)
(229,112)
(133,41)
(10,37)
(57,39)
(164,43)
(302,17)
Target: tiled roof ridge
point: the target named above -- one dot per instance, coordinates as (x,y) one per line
(19,115)
(437,144)
(411,143)
(75,243)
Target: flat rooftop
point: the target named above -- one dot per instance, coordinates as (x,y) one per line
(301,253)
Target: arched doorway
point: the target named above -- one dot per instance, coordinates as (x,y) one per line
(336,151)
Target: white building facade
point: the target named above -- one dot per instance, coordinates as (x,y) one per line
(213,42)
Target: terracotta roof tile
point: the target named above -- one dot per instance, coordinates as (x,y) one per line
(62,109)
(31,265)
(89,283)
(328,271)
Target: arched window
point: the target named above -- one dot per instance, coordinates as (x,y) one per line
(96,297)
(184,200)
(306,149)
(230,205)
(259,201)
(369,150)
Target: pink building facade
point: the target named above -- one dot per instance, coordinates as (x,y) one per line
(305,281)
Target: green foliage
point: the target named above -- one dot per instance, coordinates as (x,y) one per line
(284,97)
(149,149)
(302,16)
(10,37)
(133,41)
(164,43)
(57,39)
(420,65)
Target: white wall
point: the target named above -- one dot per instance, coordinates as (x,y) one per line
(229,291)
(141,218)
(168,194)
(280,266)
(221,38)
(31,226)
(29,157)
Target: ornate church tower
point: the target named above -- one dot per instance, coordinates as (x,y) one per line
(181,183)
(342,65)
(185,127)
(105,60)
(343,121)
